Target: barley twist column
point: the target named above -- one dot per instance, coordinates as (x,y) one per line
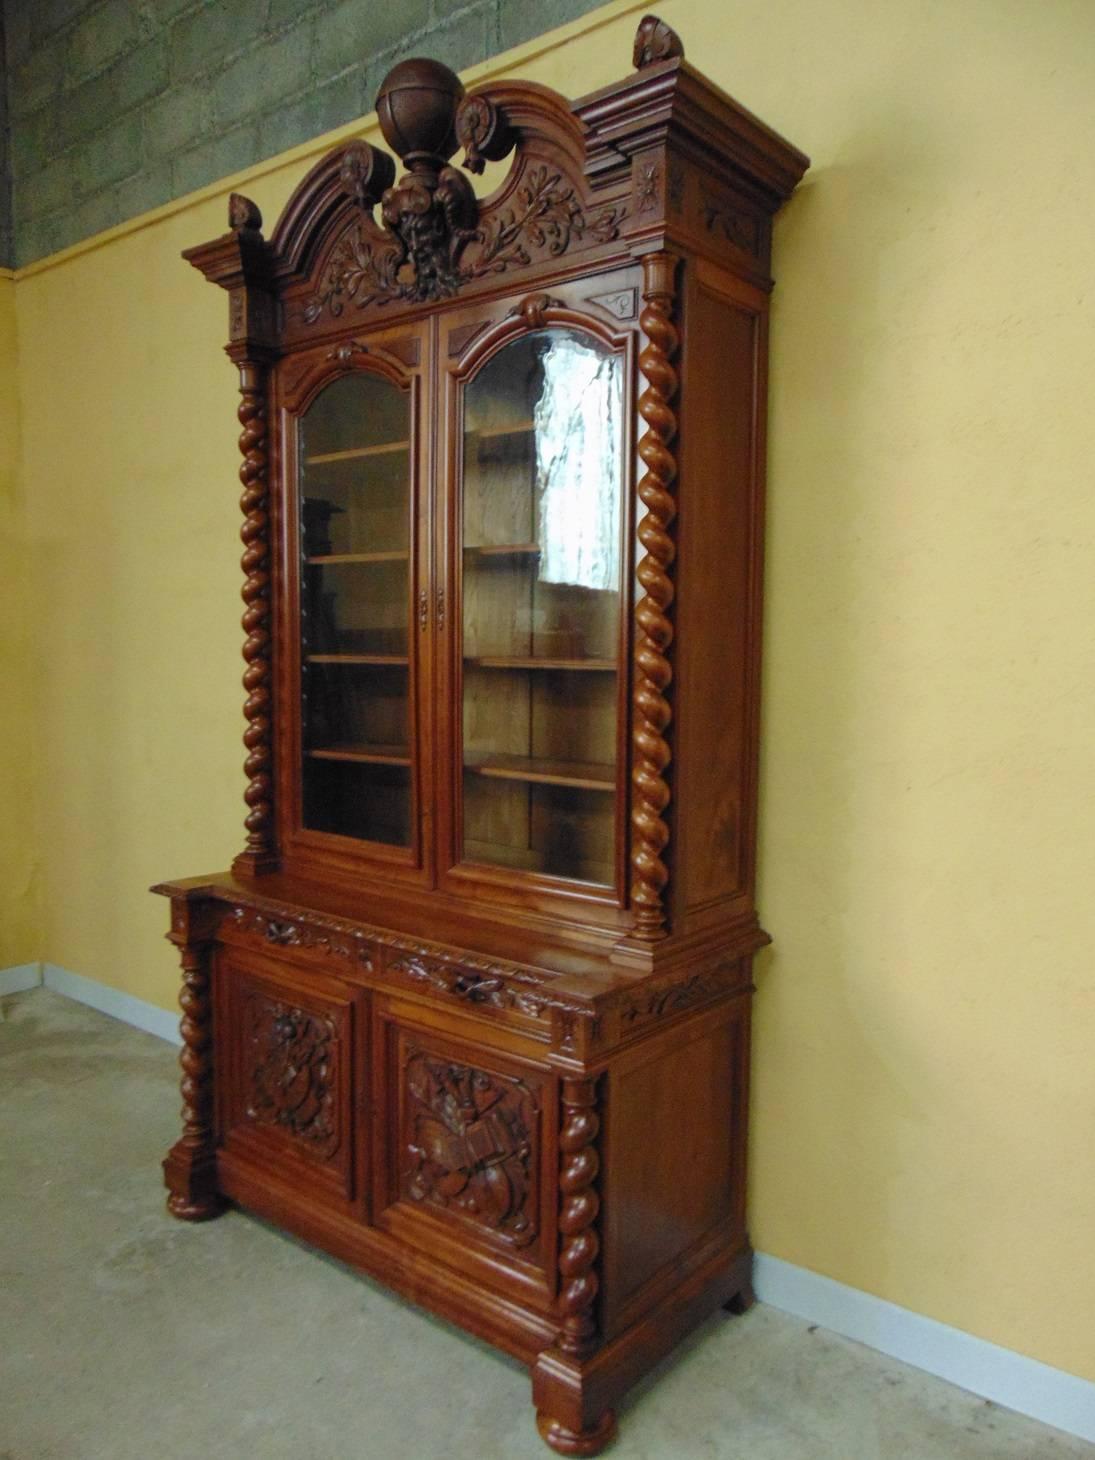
(189,1167)
(259,851)
(579,1166)
(653,671)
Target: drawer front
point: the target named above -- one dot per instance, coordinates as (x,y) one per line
(290,1045)
(465,1162)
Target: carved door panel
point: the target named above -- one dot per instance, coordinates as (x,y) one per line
(355,763)
(538,410)
(292,1049)
(465,1155)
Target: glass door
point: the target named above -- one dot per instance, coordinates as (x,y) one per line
(356,536)
(541,654)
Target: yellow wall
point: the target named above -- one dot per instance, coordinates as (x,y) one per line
(20,927)
(924,1093)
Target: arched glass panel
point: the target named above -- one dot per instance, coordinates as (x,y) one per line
(542,498)
(355,534)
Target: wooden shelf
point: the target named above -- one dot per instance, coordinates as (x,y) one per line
(491,433)
(364,754)
(585,775)
(400,556)
(601,666)
(504,550)
(356,453)
(357,658)
(497,854)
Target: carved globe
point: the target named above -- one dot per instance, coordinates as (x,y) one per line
(416,105)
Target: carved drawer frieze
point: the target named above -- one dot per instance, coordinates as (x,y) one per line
(470,1145)
(291,1072)
(676,995)
(313,934)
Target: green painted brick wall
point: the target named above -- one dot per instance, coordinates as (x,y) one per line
(117,106)
(6,253)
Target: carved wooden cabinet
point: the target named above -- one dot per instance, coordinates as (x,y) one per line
(471,1009)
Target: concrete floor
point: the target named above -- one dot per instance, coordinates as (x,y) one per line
(125,1335)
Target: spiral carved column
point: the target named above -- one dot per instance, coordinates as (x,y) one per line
(189,1169)
(578,1170)
(259,853)
(653,671)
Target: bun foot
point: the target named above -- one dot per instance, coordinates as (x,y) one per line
(577,1442)
(202,1209)
(742,1301)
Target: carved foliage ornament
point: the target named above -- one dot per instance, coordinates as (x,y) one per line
(432,240)
(471,1144)
(291,1079)
(433,256)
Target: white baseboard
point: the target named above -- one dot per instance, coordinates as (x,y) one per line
(999,1374)
(142,1015)
(1007,1378)
(20,978)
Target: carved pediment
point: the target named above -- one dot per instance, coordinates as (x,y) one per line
(425,254)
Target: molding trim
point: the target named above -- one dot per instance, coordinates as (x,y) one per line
(22,976)
(1009,1379)
(149,1017)
(1037,1390)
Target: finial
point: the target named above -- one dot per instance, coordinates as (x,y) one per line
(243,214)
(416,106)
(655,41)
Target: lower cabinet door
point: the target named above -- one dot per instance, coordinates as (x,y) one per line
(465,1154)
(290,1052)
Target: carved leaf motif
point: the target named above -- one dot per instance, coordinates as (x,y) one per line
(647,187)
(471,1139)
(291,1083)
(434,249)
(735,224)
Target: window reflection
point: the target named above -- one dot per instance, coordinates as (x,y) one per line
(578,433)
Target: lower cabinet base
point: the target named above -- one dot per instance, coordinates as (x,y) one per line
(566,1184)
(575,1399)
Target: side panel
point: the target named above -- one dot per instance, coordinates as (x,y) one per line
(717,644)
(675,1133)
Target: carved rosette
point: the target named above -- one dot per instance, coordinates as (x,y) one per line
(292,1073)
(257,738)
(653,671)
(580,1204)
(188,1169)
(471,1145)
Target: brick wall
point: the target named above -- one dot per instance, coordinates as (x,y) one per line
(117,106)
(5,162)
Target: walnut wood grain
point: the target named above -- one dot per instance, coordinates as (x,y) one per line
(444,1060)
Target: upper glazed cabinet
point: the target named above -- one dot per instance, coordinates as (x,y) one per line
(457,628)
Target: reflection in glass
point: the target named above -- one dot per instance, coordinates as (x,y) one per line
(355,516)
(542,497)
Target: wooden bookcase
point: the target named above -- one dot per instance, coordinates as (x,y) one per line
(471,1008)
